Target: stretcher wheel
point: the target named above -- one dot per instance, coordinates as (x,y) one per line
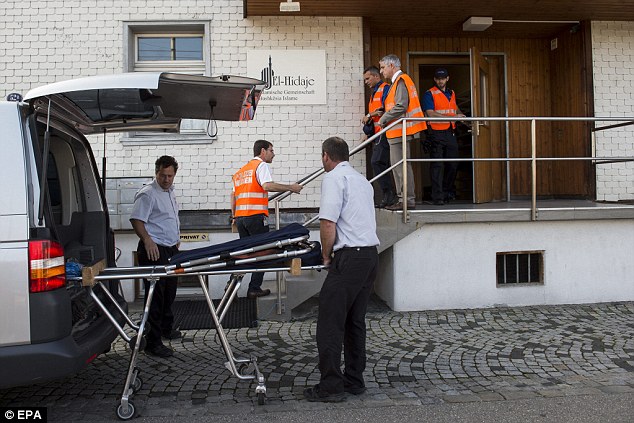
(132,343)
(242,370)
(137,385)
(126,416)
(261,398)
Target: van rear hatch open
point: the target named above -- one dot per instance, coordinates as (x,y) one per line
(147,100)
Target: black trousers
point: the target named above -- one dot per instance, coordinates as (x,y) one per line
(443,174)
(343,302)
(161,317)
(253,225)
(380,161)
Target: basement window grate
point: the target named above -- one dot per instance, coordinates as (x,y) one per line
(520,267)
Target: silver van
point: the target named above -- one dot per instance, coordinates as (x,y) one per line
(53,210)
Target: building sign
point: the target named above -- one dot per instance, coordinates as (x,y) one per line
(292,76)
(194,237)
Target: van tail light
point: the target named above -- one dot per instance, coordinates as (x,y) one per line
(46,266)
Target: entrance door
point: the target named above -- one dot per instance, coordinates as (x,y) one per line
(479,85)
(422,69)
(481,131)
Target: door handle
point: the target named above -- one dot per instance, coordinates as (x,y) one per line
(478,125)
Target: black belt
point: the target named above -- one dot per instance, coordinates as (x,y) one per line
(172,248)
(356,249)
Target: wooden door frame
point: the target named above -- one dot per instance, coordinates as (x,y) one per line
(463,58)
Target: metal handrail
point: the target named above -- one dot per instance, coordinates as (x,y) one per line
(278,197)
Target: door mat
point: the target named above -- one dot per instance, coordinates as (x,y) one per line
(195,314)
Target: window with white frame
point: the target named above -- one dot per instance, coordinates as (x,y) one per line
(182,53)
(169,47)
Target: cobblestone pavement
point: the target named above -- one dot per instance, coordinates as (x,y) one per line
(431,357)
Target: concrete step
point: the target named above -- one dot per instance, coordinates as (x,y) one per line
(299,289)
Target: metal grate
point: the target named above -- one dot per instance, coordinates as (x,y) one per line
(519,267)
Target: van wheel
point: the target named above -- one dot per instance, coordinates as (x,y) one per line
(126,415)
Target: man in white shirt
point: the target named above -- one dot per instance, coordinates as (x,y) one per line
(154,218)
(349,241)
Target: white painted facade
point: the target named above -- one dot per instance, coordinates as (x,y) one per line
(40,44)
(442,266)
(45,42)
(613,78)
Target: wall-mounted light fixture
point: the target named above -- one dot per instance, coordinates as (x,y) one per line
(477,23)
(289,6)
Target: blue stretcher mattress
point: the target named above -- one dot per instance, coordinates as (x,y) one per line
(294,230)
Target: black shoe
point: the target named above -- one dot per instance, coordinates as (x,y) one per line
(395,207)
(174,334)
(255,293)
(392,199)
(449,197)
(389,199)
(354,390)
(159,350)
(439,203)
(313,395)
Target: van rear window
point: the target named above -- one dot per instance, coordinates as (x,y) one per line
(113,104)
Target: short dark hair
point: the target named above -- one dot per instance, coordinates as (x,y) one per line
(373,70)
(259,145)
(336,148)
(164,162)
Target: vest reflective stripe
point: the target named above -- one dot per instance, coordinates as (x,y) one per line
(444,107)
(249,195)
(413,110)
(252,207)
(375,103)
(253,195)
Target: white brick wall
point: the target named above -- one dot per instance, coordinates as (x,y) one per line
(613,73)
(40,44)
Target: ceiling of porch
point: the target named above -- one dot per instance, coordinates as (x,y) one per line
(413,18)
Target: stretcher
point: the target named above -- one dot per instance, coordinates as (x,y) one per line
(286,250)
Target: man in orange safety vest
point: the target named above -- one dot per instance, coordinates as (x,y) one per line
(250,201)
(401,102)
(440,101)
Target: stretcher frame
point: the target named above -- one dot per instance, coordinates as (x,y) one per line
(240,367)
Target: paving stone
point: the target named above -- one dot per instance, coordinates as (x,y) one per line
(616,389)
(461,398)
(426,357)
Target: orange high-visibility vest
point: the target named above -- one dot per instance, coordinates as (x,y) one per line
(250,197)
(444,107)
(376,103)
(247,112)
(413,110)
